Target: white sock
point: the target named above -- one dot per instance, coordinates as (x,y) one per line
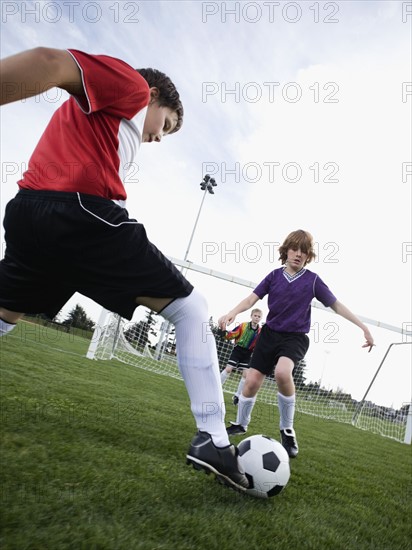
(6,327)
(198,364)
(244,410)
(223,376)
(286,410)
(240,386)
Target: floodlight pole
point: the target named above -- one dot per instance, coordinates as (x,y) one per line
(194,227)
(207,187)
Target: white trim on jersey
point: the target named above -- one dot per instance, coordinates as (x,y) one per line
(84,88)
(130,136)
(314,284)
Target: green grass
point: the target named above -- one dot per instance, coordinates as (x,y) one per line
(93,457)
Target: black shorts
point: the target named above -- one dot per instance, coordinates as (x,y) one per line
(239,357)
(272,345)
(54,248)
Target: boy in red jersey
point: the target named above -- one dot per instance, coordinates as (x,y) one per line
(67,229)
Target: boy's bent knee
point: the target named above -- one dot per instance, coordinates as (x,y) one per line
(5,327)
(10,317)
(192,308)
(283,377)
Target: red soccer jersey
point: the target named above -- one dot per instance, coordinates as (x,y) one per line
(90,142)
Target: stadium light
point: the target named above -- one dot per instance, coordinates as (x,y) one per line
(206,185)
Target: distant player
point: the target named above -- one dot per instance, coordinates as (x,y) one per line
(67,229)
(283,341)
(245,336)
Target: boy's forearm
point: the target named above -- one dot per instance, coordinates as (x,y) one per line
(34,71)
(343,311)
(245,304)
(242,306)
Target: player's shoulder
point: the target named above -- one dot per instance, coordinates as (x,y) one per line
(274,272)
(104,63)
(312,274)
(313,278)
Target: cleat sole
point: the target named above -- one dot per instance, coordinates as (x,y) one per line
(222,479)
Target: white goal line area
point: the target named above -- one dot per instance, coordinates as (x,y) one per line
(340,380)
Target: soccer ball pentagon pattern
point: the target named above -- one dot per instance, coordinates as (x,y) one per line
(266,465)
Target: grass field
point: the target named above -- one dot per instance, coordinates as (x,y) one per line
(93,457)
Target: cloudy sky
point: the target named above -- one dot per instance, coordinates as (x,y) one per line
(300,110)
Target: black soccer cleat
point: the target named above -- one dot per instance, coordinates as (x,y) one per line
(221,461)
(236,429)
(289,442)
(235,400)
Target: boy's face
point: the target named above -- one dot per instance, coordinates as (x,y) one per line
(159,121)
(296,258)
(256,317)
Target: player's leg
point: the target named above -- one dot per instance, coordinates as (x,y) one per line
(154,304)
(260,365)
(8,320)
(286,392)
(247,400)
(293,348)
(197,360)
(241,384)
(199,367)
(224,375)
(234,360)
(286,404)
(131,266)
(140,274)
(235,398)
(242,362)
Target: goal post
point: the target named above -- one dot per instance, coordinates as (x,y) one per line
(368,416)
(149,344)
(408,431)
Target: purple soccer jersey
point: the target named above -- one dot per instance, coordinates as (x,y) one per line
(290,297)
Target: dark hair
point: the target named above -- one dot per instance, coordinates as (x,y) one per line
(168,95)
(298,239)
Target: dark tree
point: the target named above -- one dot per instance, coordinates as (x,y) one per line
(151,322)
(78,318)
(138,333)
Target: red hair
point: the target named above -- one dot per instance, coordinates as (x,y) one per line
(297,239)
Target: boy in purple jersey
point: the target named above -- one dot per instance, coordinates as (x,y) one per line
(283,340)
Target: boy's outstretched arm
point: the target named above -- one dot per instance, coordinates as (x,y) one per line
(242,306)
(342,310)
(34,71)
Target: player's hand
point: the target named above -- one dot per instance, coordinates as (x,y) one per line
(369,340)
(226,320)
(221,333)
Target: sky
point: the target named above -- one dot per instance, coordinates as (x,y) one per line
(301,112)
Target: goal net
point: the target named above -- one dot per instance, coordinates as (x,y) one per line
(376,398)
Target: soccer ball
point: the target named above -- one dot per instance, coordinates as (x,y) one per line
(266,465)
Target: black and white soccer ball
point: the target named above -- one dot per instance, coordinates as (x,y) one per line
(266,465)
